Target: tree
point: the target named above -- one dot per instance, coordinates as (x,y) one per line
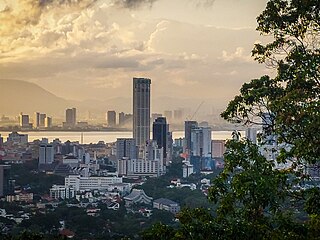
(255,200)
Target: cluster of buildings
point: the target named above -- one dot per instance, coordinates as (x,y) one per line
(40,121)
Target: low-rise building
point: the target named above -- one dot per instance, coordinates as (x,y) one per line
(61,191)
(167,205)
(90,183)
(137,196)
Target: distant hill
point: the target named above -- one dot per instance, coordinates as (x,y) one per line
(19,96)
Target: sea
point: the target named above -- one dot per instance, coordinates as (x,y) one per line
(94,137)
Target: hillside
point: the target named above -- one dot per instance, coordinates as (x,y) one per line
(20,96)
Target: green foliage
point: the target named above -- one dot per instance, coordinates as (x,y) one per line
(254,199)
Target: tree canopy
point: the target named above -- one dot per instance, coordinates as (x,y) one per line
(254,198)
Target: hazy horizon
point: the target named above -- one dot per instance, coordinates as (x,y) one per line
(90,50)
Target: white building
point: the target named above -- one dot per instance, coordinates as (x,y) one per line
(90,183)
(201,141)
(60,191)
(187,169)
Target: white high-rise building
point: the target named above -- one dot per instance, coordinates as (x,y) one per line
(201,141)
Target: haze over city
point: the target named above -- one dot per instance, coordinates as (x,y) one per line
(88,51)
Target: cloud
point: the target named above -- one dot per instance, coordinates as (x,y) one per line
(239,54)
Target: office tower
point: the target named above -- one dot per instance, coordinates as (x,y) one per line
(71,117)
(24,120)
(111,118)
(169,148)
(218,148)
(141,110)
(121,118)
(126,148)
(168,115)
(201,141)
(46,154)
(36,120)
(154,116)
(160,130)
(6,185)
(48,122)
(1,140)
(42,119)
(188,126)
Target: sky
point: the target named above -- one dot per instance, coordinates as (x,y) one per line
(91,49)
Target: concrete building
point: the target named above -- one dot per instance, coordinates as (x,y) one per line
(71,118)
(187,169)
(46,154)
(90,183)
(160,130)
(36,120)
(201,141)
(111,118)
(60,191)
(167,205)
(16,138)
(177,114)
(42,119)
(6,186)
(141,110)
(251,134)
(218,148)
(121,119)
(126,148)
(48,122)
(24,121)
(188,126)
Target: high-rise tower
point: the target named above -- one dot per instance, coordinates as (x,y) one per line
(160,130)
(141,110)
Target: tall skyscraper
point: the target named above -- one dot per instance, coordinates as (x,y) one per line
(141,110)
(71,117)
(121,118)
(160,130)
(188,126)
(36,120)
(42,119)
(126,148)
(48,122)
(201,141)
(111,117)
(24,120)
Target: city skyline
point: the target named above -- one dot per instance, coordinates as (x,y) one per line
(76,52)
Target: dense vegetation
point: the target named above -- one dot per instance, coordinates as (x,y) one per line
(255,199)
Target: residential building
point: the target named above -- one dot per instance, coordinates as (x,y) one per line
(46,154)
(126,148)
(112,118)
(61,191)
(218,148)
(24,121)
(201,141)
(48,122)
(141,110)
(71,118)
(36,120)
(188,126)
(17,138)
(42,119)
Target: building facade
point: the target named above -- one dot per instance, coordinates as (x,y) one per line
(141,110)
